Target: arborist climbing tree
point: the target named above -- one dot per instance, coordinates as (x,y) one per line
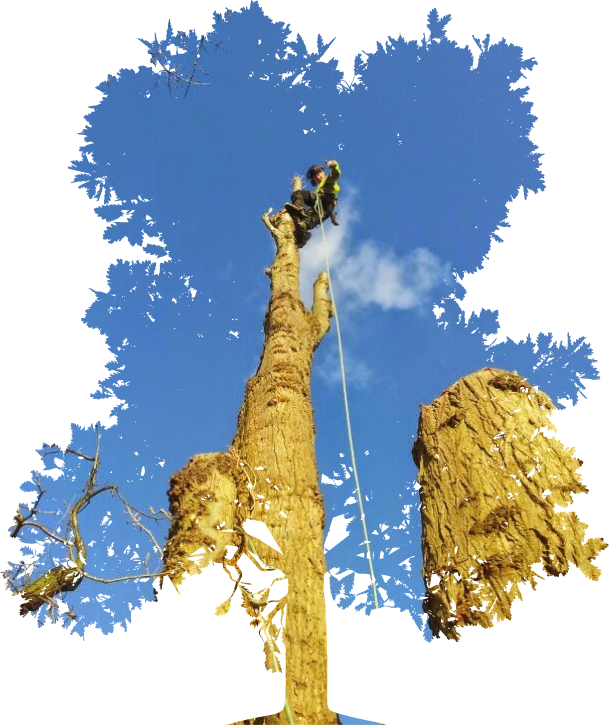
(214,495)
(305,203)
(269,474)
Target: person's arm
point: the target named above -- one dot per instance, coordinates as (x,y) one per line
(333,176)
(334,169)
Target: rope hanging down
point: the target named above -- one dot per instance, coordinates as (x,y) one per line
(360,500)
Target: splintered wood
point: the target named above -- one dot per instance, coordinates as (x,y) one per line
(490,478)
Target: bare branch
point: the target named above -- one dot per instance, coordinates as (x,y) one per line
(133,513)
(154,517)
(55,450)
(160,511)
(146,575)
(67,577)
(48,532)
(172,70)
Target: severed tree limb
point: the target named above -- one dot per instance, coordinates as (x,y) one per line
(322,309)
(67,577)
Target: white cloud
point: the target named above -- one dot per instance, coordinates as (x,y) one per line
(369,273)
(372,276)
(365,274)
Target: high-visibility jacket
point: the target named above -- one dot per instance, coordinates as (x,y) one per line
(329,185)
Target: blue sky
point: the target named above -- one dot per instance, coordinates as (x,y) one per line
(432,152)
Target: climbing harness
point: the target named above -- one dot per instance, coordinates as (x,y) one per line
(346,401)
(330,212)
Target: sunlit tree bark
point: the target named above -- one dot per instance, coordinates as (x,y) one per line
(490,478)
(270,470)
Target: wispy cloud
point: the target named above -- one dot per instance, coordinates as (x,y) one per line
(357,371)
(365,273)
(370,272)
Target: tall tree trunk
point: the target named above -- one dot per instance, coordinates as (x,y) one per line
(275,443)
(490,479)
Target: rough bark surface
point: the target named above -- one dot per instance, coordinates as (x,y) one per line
(202,503)
(271,475)
(490,478)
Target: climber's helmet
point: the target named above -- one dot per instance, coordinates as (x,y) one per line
(316,174)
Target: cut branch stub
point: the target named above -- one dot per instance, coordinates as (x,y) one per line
(202,504)
(490,479)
